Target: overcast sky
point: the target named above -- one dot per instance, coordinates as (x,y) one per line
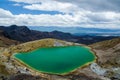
(62,13)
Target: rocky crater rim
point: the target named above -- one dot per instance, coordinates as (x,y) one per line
(55,43)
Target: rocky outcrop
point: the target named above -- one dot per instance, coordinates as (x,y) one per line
(108,53)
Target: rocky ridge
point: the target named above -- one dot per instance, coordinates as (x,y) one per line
(5,42)
(24,34)
(106,68)
(108,53)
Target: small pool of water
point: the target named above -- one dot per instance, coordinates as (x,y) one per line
(57,60)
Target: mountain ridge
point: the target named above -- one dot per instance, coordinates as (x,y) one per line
(5,42)
(74,30)
(24,34)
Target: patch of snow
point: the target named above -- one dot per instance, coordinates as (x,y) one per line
(117,70)
(23,70)
(97,69)
(58,44)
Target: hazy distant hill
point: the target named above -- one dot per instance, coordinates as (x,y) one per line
(24,34)
(78,30)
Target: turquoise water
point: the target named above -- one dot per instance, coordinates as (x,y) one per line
(56,60)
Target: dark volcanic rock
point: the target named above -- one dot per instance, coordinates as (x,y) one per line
(87,39)
(5,41)
(16,33)
(24,34)
(26,77)
(1,33)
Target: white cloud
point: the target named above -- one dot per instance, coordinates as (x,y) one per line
(104,17)
(96,5)
(80,19)
(66,7)
(92,5)
(83,14)
(53,6)
(48,5)
(5,13)
(17,4)
(7,18)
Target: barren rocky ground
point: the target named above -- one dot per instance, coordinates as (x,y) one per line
(107,66)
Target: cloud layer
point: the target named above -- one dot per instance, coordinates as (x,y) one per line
(80,13)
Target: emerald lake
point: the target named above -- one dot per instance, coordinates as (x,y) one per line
(56,60)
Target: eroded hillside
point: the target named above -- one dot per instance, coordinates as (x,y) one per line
(108,53)
(106,68)
(6,42)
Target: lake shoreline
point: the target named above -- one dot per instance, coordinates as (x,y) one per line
(66,73)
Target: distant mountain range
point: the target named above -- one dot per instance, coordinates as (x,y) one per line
(79,30)
(24,34)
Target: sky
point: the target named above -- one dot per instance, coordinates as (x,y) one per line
(61,13)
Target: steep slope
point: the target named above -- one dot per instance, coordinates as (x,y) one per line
(24,34)
(5,42)
(108,53)
(106,44)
